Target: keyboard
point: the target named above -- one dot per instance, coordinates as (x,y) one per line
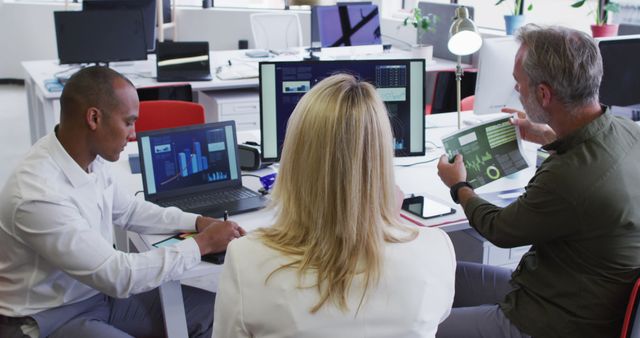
(210,199)
(237,71)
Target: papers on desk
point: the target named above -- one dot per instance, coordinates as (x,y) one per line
(237,71)
(490,150)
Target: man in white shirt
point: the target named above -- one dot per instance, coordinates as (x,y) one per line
(59,273)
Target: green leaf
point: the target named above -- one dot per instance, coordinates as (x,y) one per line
(499,2)
(578,4)
(530,7)
(612,7)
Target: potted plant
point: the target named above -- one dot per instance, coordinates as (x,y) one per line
(601,28)
(423,24)
(513,21)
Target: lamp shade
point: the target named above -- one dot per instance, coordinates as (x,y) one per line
(463,34)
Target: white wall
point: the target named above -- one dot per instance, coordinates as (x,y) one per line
(27,31)
(224,27)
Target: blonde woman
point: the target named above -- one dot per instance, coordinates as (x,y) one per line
(338,262)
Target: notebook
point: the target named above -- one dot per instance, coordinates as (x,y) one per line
(183,61)
(196,169)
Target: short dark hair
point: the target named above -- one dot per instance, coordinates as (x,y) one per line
(91,87)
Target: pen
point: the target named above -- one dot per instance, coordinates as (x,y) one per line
(226,215)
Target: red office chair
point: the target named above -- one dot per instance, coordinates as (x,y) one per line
(631,324)
(467,103)
(168,114)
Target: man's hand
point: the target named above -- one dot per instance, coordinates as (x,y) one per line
(533,132)
(452,173)
(214,235)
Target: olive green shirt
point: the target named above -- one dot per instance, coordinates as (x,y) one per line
(581,213)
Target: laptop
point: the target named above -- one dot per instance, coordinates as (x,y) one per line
(183,61)
(195,168)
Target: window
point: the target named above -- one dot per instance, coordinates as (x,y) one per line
(545,12)
(274,4)
(489,16)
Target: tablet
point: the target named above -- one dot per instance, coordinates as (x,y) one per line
(215,258)
(425,208)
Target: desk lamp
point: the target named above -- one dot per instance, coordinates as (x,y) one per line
(463,40)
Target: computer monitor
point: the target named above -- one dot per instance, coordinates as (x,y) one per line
(620,84)
(400,84)
(100,36)
(439,37)
(146,7)
(347,25)
(495,85)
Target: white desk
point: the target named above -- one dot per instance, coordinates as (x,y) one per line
(414,179)
(44,107)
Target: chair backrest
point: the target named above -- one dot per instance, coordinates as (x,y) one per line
(467,103)
(444,90)
(168,114)
(631,324)
(178,91)
(276,31)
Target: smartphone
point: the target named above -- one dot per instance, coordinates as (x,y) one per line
(425,208)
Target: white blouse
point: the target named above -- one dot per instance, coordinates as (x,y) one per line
(413,296)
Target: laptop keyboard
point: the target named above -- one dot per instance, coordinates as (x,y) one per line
(210,199)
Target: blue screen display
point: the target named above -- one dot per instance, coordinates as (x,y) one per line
(188,158)
(399,84)
(348,25)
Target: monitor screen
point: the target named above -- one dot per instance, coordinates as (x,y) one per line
(193,157)
(620,84)
(183,61)
(100,36)
(146,7)
(348,25)
(439,37)
(400,84)
(495,85)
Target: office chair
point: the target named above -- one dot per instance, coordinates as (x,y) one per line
(631,324)
(467,103)
(444,90)
(178,92)
(276,31)
(168,114)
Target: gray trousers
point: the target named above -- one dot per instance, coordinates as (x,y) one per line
(138,316)
(475,311)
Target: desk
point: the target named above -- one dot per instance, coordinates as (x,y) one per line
(44,109)
(413,179)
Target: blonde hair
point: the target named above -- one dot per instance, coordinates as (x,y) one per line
(335,195)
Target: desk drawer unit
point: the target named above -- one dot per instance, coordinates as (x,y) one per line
(470,246)
(241,106)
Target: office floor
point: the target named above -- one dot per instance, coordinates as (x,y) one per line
(14,128)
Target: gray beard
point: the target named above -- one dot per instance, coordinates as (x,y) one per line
(534,110)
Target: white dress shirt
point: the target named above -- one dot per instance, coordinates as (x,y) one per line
(413,296)
(56,235)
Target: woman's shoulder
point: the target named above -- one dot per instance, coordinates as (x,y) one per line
(429,242)
(252,248)
(432,235)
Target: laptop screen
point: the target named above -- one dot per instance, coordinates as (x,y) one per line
(189,159)
(183,60)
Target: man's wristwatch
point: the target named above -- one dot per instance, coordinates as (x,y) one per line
(455,188)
